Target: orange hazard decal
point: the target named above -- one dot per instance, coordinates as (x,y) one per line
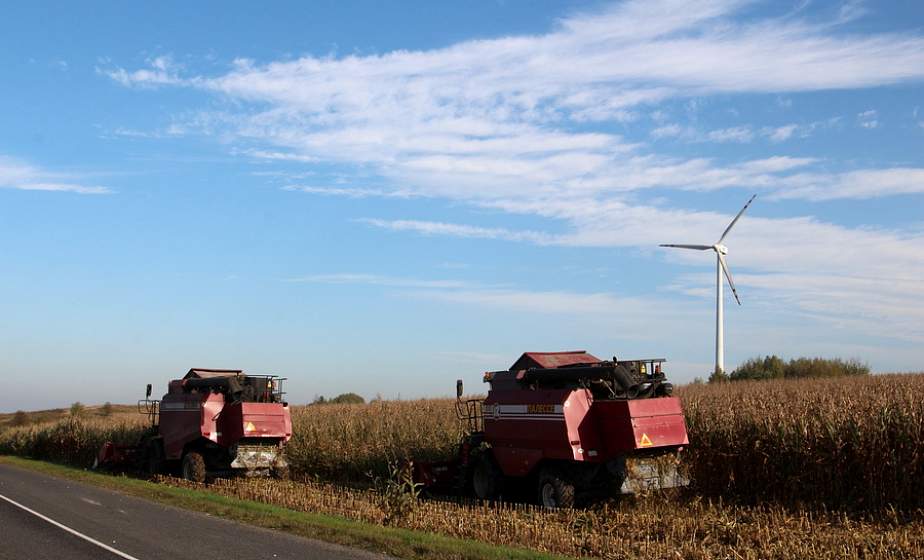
(645,441)
(249,427)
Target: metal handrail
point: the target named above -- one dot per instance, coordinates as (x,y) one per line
(150,407)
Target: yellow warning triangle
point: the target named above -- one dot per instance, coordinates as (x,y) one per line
(645,441)
(249,427)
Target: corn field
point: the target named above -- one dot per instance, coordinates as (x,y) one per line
(784,469)
(851,443)
(648,528)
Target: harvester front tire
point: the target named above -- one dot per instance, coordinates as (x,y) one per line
(194,467)
(486,479)
(280,473)
(554,491)
(154,461)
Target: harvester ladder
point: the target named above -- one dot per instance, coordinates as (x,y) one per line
(471,414)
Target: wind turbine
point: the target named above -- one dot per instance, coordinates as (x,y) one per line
(720,267)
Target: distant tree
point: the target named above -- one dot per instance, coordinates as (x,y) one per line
(344,398)
(769,367)
(718,376)
(77,409)
(20,418)
(348,398)
(773,367)
(820,367)
(697,381)
(106,409)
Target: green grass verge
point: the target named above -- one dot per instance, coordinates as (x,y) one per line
(402,543)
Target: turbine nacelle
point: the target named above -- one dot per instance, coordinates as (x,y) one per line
(720,249)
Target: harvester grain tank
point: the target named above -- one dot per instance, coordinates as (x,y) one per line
(211,422)
(571,425)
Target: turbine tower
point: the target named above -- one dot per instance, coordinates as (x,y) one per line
(721,266)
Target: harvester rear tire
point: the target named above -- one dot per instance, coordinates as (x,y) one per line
(555,491)
(194,467)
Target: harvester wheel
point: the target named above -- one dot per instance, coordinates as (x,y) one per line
(486,478)
(555,491)
(154,460)
(194,467)
(280,473)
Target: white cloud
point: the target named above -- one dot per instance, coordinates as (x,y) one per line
(671,131)
(782,133)
(378,280)
(15,174)
(161,71)
(868,119)
(739,134)
(459,230)
(862,184)
(508,124)
(349,192)
(793,259)
(551,302)
(497,118)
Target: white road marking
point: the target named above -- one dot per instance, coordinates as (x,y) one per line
(118,553)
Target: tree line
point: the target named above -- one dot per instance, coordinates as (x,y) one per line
(774,367)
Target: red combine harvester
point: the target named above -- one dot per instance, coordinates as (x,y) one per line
(570,423)
(210,422)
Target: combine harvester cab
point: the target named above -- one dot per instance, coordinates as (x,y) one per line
(212,422)
(573,425)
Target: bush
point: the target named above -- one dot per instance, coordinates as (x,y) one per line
(19,419)
(348,398)
(77,409)
(818,367)
(106,409)
(773,367)
(718,376)
(344,398)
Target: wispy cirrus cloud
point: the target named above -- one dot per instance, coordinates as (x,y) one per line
(161,71)
(16,174)
(461,230)
(527,125)
(377,280)
(812,266)
(495,117)
(350,192)
(868,119)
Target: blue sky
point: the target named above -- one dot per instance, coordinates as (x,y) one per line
(381,198)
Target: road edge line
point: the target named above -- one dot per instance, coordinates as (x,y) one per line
(69,530)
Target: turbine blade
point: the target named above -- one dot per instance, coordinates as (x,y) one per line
(727,272)
(733,222)
(697,247)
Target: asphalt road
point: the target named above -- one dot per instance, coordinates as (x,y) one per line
(129,528)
